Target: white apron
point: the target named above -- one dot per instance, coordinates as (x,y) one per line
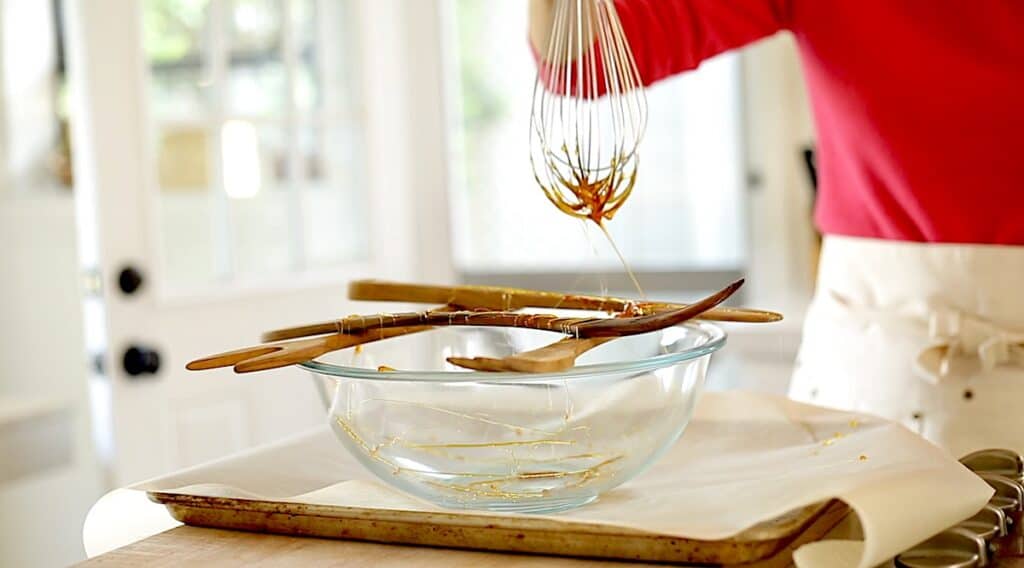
(929,335)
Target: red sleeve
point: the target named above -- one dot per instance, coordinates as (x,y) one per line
(671,36)
(668,37)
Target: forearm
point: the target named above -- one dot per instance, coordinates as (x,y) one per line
(543,16)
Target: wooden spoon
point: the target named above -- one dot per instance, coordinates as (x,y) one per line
(507,299)
(558,356)
(579,327)
(561,355)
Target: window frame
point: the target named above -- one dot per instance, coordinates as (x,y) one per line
(397,53)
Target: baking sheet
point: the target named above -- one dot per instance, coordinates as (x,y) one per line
(745,458)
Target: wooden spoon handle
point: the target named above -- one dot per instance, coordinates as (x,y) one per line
(323,328)
(360,324)
(507,299)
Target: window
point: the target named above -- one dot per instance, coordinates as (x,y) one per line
(255,136)
(686,214)
(34,156)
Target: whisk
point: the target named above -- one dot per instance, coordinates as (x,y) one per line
(589,112)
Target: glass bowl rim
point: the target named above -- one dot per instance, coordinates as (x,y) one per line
(715,339)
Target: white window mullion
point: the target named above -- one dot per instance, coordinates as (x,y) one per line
(215,65)
(296,177)
(324,23)
(325,26)
(335,113)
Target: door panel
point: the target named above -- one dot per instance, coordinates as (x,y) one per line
(249,160)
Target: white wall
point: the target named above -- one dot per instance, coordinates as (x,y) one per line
(780,277)
(778,126)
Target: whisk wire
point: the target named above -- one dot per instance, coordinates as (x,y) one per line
(589,112)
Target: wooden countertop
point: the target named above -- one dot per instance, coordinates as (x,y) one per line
(184,546)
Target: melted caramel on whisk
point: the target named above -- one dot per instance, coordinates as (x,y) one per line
(595,200)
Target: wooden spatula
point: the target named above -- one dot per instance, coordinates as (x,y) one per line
(504,299)
(579,327)
(507,299)
(285,353)
(562,354)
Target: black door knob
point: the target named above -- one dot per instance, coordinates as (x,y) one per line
(129,280)
(138,361)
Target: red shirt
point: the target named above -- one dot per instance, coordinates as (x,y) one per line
(918,104)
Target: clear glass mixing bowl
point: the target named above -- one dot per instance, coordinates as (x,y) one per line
(512,441)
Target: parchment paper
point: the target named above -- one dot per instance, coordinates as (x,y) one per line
(744,459)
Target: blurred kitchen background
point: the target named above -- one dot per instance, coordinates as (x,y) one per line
(176,175)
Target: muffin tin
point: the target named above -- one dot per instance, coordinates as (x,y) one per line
(988,535)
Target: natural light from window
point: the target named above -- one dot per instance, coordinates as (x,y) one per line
(686,212)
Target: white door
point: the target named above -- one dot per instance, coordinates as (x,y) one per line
(245,158)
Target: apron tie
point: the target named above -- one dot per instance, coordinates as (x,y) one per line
(964,344)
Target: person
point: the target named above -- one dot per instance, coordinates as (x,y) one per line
(918,313)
